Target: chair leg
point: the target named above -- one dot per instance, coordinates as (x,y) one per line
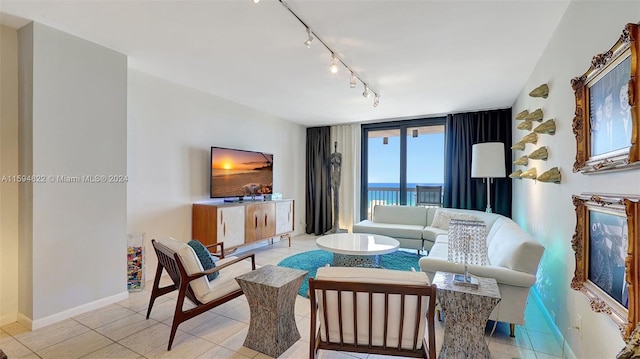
(155,289)
(174,328)
(512,329)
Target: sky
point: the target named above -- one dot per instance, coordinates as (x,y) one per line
(223,158)
(425,160)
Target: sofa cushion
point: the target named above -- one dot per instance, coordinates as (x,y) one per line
(442,218)
(430,233)
(400,215)
(389,229)
(510,247)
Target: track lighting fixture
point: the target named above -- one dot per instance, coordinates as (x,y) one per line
(366,92)
(255,1)
(352,80)
(335,60)
(334,64)
(309,37)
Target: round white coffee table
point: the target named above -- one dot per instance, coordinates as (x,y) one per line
(357,249)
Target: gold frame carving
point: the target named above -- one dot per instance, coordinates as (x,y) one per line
(621,159)
(600,301)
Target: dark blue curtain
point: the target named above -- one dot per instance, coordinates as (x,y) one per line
(318,181)
(462,131)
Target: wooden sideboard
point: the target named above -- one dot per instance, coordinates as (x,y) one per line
(241,223)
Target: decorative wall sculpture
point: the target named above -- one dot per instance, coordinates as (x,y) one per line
(536,115)
(540,91)
(522,161)
(548,127)
(522,115)
(525,125)
(552,175)
(531,173)
(539,154)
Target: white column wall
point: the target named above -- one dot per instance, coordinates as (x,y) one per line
(8,167)
(72,123)
(545,210)
(171,129)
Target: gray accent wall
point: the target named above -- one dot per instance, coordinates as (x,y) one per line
(72,123)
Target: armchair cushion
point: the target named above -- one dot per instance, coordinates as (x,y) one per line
(206,259)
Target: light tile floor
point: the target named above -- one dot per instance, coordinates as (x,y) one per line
(121,331)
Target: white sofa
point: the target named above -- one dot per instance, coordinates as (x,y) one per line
(513,256)
(404,223)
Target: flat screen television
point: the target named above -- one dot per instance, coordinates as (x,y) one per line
(239,173)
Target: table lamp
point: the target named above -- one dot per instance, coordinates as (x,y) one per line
(467,245)
(487,161)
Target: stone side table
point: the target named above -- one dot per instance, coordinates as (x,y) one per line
(466,311)
(271,292)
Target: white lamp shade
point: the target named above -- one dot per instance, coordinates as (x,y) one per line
(487,160)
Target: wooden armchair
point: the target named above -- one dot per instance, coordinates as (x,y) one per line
(370,310)
(184,268)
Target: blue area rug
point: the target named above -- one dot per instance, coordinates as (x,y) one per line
(312,260)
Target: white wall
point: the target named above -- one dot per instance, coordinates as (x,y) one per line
(8,167)
(72,123)
(171,129)
(546,210)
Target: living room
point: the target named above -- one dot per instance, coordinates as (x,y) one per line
(61,247)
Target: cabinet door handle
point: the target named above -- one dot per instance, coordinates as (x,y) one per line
(221,217)
(265,219)
(224,229)
(256,221)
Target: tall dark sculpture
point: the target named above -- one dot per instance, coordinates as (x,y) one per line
(336,174)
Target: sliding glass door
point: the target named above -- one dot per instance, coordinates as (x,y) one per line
(397,156)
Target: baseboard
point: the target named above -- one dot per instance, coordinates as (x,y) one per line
(8,319)
(66,314)
(552,324)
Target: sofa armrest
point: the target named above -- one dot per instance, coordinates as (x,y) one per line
(502,275)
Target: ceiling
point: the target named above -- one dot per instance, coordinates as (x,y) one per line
(424,58)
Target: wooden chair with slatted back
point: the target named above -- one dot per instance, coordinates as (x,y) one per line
(189,279)
(371,310)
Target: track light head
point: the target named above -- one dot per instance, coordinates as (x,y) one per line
(366,92)
(352,80)
(333,67)
(376,100)
(255,1)
(309,37)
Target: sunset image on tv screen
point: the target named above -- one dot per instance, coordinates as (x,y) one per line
(240,173)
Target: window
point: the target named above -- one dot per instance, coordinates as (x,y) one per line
(397,156)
